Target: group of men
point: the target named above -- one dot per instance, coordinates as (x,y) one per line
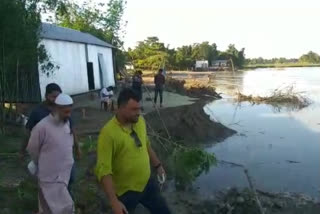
(125,157)
(106,93)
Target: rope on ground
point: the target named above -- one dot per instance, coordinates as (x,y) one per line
(158,112)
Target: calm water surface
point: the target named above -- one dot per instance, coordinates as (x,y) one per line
(281,149)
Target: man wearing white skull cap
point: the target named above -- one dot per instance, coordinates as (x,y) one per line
(50,147)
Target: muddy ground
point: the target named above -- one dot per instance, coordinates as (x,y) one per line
(185,121)
(188,124)
(19,192)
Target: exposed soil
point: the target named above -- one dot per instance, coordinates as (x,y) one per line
(192,88)
(188,123)
(89,121)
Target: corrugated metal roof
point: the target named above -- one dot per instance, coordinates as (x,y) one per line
(50,31)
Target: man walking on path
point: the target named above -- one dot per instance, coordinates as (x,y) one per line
(51,149)
(124,155)
(43,110)
(159,81)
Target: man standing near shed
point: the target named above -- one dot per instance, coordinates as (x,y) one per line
(124,156)
(51,149)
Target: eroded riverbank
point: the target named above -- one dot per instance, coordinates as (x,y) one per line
(280,149)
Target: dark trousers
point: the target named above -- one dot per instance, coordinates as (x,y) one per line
(156,92)
(150,198)
(72,180)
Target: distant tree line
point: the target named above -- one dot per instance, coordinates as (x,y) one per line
(152,54)
(309,58)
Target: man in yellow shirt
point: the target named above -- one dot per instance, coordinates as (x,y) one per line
(124,156)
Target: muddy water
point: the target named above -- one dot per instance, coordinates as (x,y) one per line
(281,149)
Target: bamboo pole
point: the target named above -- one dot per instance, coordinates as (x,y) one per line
(232,65)
(2,92)
(254,191)
(251,186)
(17,81)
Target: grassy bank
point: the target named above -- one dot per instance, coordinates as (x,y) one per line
(285,65)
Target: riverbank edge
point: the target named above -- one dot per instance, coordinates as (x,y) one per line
(249,67)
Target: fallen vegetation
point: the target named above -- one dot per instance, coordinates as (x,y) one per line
(243,202)
(192,88)
(284,97)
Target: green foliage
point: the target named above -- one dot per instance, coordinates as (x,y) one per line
(89,145)
(20,52)
(310,57)
(19,199)
(205,51)
(100,20)
(183,58)
(149,54)
(89,196)
(237,57)
(188,163)
(152,54)
(262,61)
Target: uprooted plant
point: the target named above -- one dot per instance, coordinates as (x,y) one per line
(184,163)
(286,97)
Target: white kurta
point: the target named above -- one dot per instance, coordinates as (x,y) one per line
(51,148)
(105,95)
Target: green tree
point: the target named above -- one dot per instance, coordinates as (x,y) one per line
(100,20)
(183,58)
(150,54)
(205,51)
(20,51)
(310,57)
(232,53)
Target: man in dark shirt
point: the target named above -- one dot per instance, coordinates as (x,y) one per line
(43,110)
(137,84)
(159,81)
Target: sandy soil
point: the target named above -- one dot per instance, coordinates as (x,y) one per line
(89,118)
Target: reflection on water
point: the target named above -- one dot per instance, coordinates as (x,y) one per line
(280,149)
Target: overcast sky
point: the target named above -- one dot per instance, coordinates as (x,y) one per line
(267,28)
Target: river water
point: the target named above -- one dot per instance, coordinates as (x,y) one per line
(280,148)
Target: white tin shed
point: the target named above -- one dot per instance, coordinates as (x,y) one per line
(85,62)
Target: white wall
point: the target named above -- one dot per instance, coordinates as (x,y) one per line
(108,75)
(71,58)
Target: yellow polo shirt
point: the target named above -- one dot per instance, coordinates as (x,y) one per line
(118,155)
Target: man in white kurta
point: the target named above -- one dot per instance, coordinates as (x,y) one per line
(51,148)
